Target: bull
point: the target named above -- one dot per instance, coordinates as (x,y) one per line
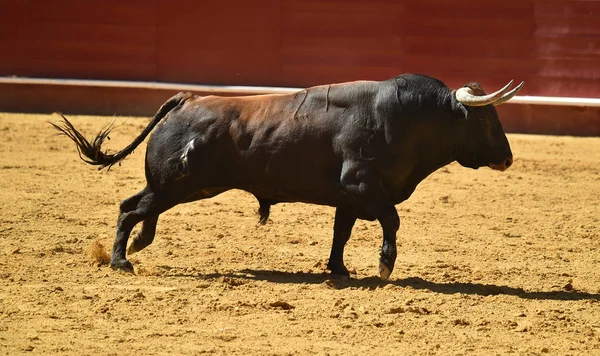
(361,147)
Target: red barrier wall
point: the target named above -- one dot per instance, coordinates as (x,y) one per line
(553,45)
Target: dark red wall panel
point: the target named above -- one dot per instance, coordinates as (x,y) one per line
(219,42)
(81,39)
(129,12)
(13,21)
(334,41)
(568,48)
(553,45)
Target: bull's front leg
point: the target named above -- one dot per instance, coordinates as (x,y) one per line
(366,191)
(390,223)
(342,228)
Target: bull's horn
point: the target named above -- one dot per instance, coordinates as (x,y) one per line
(506,97)
(465,95)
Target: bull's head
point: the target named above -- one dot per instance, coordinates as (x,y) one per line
(486,144)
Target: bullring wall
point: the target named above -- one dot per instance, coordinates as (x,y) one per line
(554,46)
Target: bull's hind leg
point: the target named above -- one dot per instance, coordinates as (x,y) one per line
(131,203)
(144,237)
(147,209)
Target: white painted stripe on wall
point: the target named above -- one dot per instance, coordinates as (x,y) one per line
(233,89)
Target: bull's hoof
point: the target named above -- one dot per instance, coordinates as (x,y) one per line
(122,265)
(384,271)
(340,270)
(340,277)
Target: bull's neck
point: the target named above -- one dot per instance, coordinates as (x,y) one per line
(442,145)
(431,151)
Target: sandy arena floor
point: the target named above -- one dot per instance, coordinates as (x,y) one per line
(489,263)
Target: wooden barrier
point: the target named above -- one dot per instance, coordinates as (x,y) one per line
(561,116)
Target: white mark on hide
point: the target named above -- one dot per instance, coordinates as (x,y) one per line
(184,156)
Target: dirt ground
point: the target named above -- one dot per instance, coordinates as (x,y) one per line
(489,263)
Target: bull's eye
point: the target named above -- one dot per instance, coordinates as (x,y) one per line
(482,120)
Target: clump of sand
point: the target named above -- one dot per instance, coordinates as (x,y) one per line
(98,253)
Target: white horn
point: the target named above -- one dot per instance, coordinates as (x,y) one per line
(506,97)
(466,96)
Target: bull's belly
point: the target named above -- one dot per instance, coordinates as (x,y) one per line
(303,194)
(331,196)
(294,181)
(289,176)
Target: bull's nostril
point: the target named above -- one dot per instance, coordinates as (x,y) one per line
(508,162)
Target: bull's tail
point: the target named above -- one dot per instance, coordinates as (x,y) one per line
(91,152)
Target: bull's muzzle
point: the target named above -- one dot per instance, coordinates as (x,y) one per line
(502,166)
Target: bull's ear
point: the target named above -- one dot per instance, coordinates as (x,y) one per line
(460,111)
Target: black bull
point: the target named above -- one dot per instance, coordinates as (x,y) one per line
(361,147)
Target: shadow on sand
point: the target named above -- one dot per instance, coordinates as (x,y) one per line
(413,282)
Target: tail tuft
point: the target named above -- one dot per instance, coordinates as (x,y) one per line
(92,152)
(89,152)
